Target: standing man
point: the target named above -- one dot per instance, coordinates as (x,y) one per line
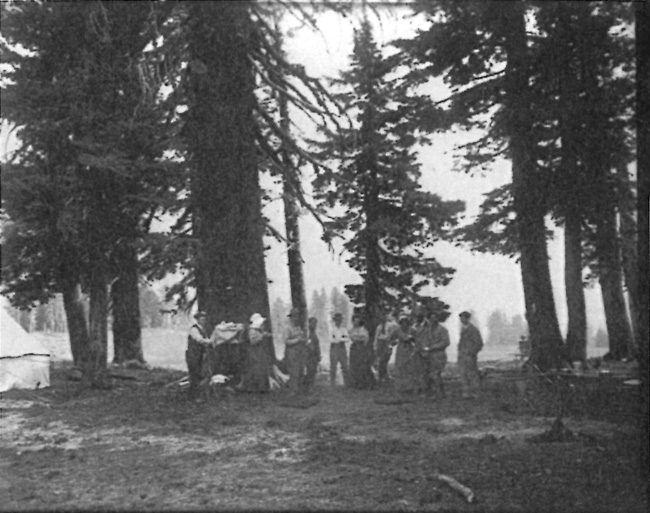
(524,347)
(468,348)
(384,345)
(313,354)
(197,344)
(431,342)
(338,353)
(295,352)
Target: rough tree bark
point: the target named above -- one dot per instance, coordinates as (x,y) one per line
(76,319)
(628,231)
(294,256)
(610,274)
(576,338)
(125,298)
(572,201)
(225,188)
(95,358)
(372,286)
(368,170)
(290,178)
(528,195)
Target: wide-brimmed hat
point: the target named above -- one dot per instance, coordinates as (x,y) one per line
(256,320)
(337,315)
(465,314)
(200,313)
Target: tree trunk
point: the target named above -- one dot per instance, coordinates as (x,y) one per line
(611,279)
(294,257)
(290,179)
(76,320)
(368,169)
(125,295)
(576,339)
(226,198)
(628,230)
(528,196)
(642,26)
(372,288)
(573,203)
(94,363)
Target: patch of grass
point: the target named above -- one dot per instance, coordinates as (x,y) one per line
(345,453)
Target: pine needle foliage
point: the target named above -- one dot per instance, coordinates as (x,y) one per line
(371,188)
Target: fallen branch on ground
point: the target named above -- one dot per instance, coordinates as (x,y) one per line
(460,488)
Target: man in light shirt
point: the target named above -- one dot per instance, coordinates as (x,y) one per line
(197,343)
(338,352)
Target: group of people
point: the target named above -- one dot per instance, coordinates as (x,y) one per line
(419,342)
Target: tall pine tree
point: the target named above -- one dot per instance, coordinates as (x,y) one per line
(388,221)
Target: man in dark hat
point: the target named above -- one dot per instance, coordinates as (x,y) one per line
(468,348)
(197,343)
(295,352)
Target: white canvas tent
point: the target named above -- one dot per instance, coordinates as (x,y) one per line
(24,362)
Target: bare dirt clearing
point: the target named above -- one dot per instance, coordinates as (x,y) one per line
(142,446)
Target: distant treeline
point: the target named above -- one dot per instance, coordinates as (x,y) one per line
(504,330)
(50,317)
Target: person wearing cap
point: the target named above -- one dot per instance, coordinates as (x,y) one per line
(258,359)
(383,345)
(469,345)
(338,353)
(295,352)
(431,342)
(197,344)
(361,356)
(313,354)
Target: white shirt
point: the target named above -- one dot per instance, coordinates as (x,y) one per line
(339,334)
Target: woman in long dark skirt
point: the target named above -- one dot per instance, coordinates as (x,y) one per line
(258,359)
(361,356)
(407,365)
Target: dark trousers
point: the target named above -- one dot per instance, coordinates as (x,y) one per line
(194,358)
(339,355)
(469,378)
(295,357)
(311,368)
(433,363)
(384,352)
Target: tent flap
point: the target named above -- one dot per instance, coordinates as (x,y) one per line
(24,362)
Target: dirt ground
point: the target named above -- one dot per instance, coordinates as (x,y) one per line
(142,446)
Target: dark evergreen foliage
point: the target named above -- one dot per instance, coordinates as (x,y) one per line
(389,223)
(90,169)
